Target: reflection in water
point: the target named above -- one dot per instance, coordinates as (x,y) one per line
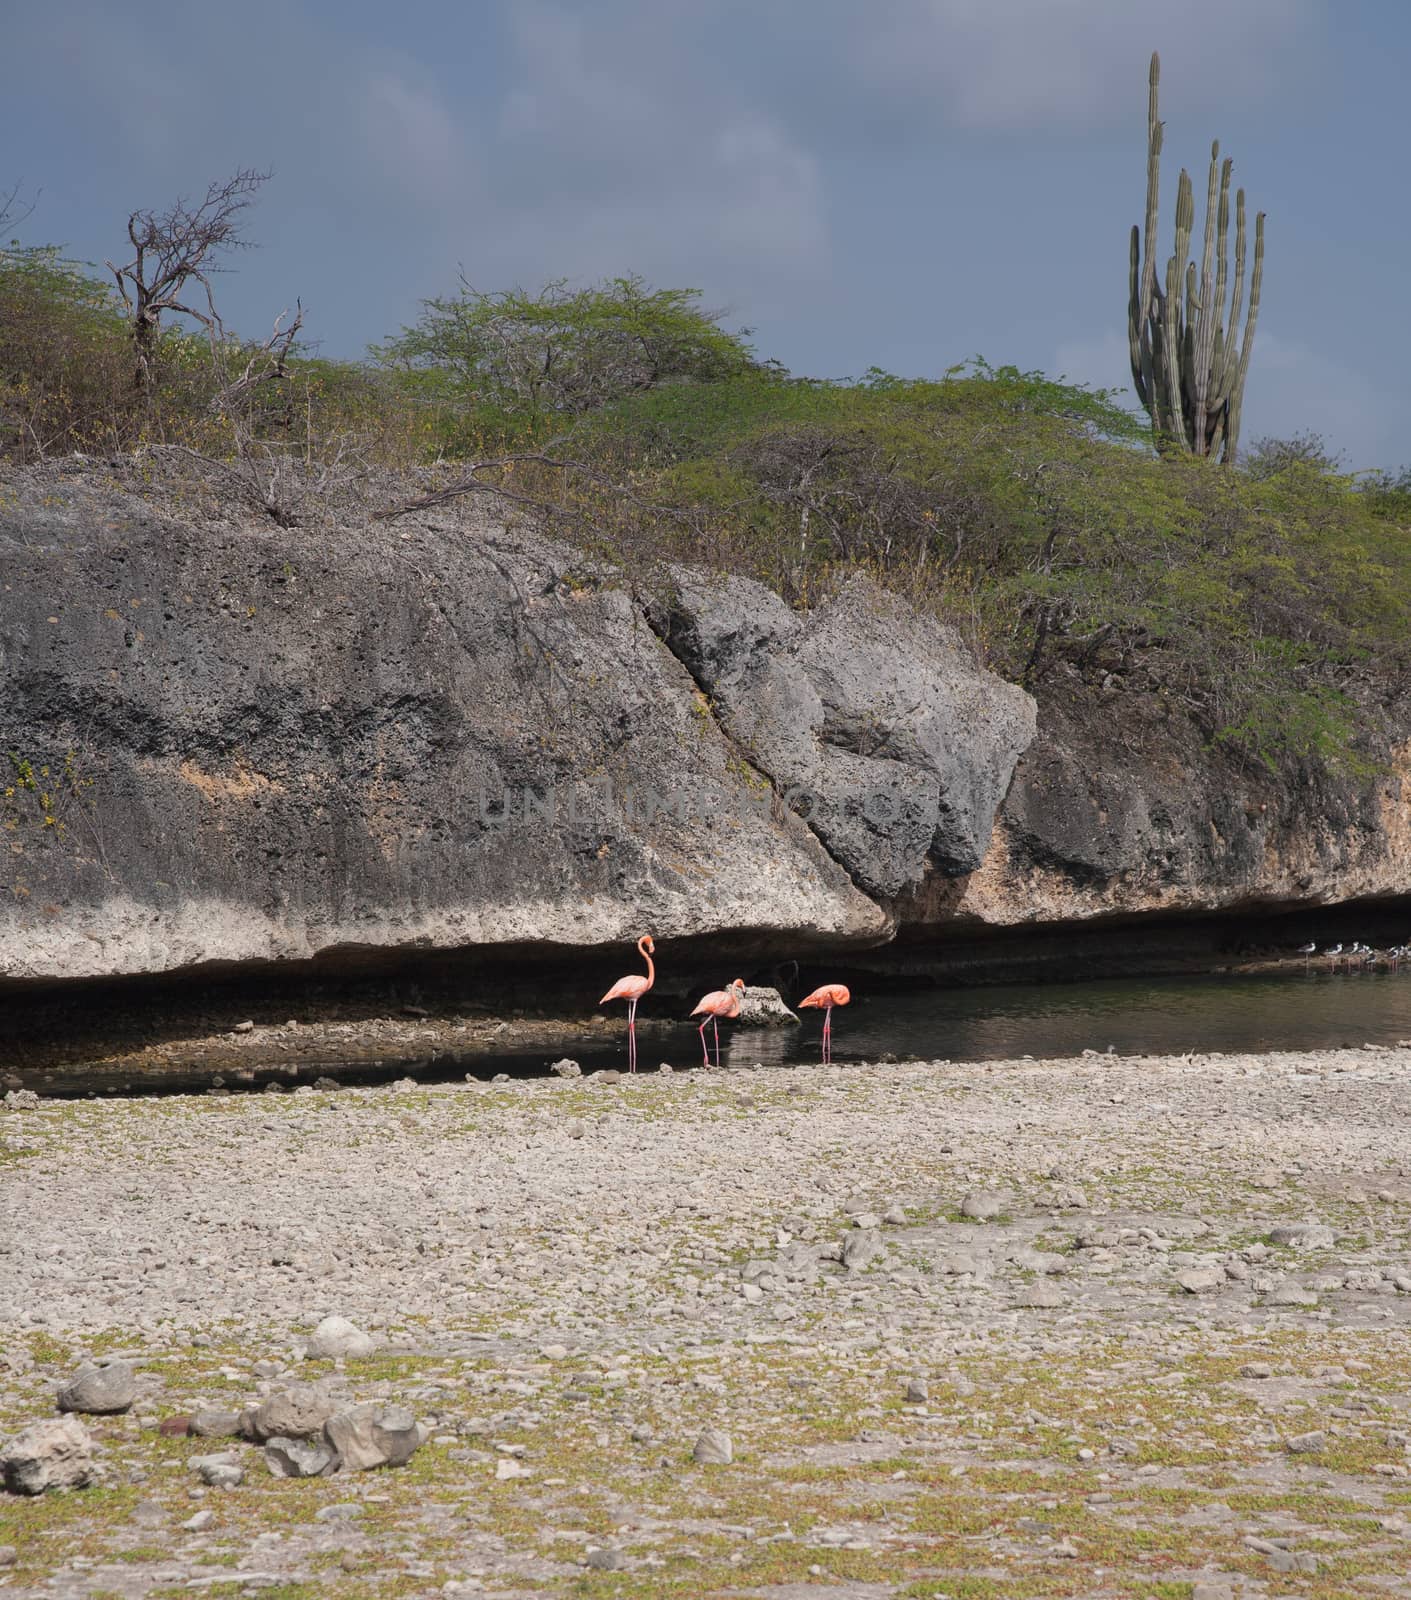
(1135,1016)
(1170,1016)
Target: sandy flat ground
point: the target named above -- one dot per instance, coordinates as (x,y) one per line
(1107,1326)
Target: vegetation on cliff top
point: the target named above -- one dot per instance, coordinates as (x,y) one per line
(1270,602)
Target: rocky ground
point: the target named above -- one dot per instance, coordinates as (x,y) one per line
(1129,1327)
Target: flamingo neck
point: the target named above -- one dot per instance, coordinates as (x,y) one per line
(651,970)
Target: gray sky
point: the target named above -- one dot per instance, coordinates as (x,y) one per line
(899,183)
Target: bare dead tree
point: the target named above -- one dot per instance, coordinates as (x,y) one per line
(11,212)
(264,363)
(175,250)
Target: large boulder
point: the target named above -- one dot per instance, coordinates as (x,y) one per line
(100,1388)
(298,1412)
(373,1435)
(873,720)
(54,1454)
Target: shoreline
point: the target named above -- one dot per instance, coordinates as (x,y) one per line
(1089,1330)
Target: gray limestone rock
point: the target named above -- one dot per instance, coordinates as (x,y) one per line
(101,1388)
(336,1337)
(298,1412)
(713,1448)
(373,1435)
(54,1454)
(300,1458)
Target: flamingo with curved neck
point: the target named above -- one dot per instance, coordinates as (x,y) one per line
(825,998)
(718,1003)
(631,989)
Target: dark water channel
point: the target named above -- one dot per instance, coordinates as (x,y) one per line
(1153,1016)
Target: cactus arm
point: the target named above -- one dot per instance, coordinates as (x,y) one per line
(1256,281)
(1136,340)
(1204,341)
(1236,299)
(1174,428)
(1222,276)
(1154,139)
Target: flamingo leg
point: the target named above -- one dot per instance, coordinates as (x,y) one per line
(827,1034)
(705,1054)
(631,1035)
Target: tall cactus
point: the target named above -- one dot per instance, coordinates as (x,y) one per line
(1188,364)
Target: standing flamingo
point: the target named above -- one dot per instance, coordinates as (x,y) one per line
(828,996)
(631,989)
(719,1003)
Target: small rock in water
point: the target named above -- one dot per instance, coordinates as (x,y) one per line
(337,1337)
(566,1068)
(327,1085)
(713,1448)
(102,1388)
(763,1007)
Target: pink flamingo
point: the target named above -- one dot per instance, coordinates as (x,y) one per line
(828,996)
(719,1003)
(631,989)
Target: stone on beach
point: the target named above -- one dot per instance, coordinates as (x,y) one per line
(713,1447)
(54,1454)
(372,1435)
(336,1337)
(298,1412)
(101,1388)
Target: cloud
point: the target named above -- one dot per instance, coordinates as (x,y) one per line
(413,137)
(614,148)
(1024,64)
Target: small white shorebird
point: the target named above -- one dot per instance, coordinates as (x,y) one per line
(1307,951)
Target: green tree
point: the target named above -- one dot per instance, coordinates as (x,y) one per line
(513,361)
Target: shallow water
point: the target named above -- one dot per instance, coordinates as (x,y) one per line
(1137,1016)
(1134,1016)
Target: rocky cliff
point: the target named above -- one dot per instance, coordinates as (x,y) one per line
(227,744)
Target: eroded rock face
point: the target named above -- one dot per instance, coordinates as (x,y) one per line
(894,744)
(1122,809)
(432,734)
